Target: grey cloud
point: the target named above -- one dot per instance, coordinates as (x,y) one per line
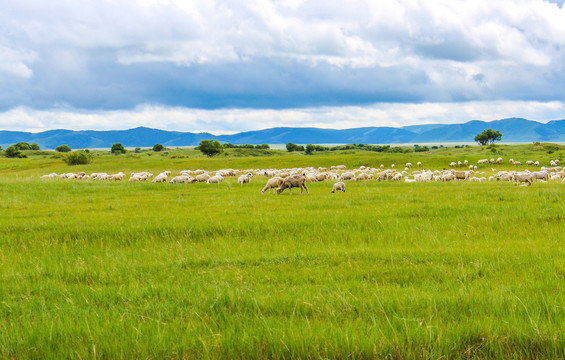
(229,54)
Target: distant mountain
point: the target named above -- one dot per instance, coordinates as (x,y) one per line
(513,130)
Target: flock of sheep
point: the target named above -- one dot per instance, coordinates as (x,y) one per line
(281,179)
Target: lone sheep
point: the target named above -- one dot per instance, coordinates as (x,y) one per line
(339,186)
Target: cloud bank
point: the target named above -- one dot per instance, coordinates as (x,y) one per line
(285,60)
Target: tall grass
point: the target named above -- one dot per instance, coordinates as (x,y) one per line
(459,270)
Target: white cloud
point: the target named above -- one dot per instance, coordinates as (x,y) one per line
(85,53)
(235,120)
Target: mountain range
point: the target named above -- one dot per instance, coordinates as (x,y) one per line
(512,129)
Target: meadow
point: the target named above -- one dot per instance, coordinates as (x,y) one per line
(385,270)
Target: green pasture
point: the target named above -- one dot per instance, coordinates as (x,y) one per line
(385,270)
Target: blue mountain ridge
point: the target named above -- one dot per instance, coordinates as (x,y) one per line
(512,129)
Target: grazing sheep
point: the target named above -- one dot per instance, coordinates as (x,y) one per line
(408,165)
(50,176)
(339,186)
(482,161)
(272,183)
(453,164)
(530,162)
(461,175)
(523,178)
(347,176)
(245,179)
(116,177)
(540,175)
(202,177)
(448,177)
(160,178)
(338,167)
(363,176)
(181,179)
(419,164)
(536,163)
(499,160)
(466,162)
(293,181)
(216,179)
(397,177)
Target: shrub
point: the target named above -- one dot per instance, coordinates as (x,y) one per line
(158,147)
(63,148)
(118,148)
(290,147)
(13,152)
(78,158)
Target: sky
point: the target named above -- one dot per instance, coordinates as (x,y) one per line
(226,66)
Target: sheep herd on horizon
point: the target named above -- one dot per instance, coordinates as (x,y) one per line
(281,179)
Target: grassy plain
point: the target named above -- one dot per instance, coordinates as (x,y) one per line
(385,270)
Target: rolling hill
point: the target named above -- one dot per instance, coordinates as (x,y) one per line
(512,129)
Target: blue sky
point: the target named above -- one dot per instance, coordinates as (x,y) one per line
(227,66)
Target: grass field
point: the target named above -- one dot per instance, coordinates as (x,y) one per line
(385,270)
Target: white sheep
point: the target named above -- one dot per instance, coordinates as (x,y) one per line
(245,179)
(272,183)
(216,179)
(180,179)
(160,178)
(202,177)
(339,186)
(347,176)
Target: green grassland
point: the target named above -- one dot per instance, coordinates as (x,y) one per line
(386,270)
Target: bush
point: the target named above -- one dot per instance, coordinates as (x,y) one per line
(210,147)
(63,148)
(158,147)
(118,148)
(13,152)
(78,158)
(22,146)
(290,147)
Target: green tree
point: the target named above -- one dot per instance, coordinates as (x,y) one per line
(210,147)
(158,147)
(290,147)
(22,146)
(34,146)
(78,158)
(488,136)
(63,148)
(310,149)
(13,152)
(117,149)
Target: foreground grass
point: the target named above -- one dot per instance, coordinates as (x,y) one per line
(220,271)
